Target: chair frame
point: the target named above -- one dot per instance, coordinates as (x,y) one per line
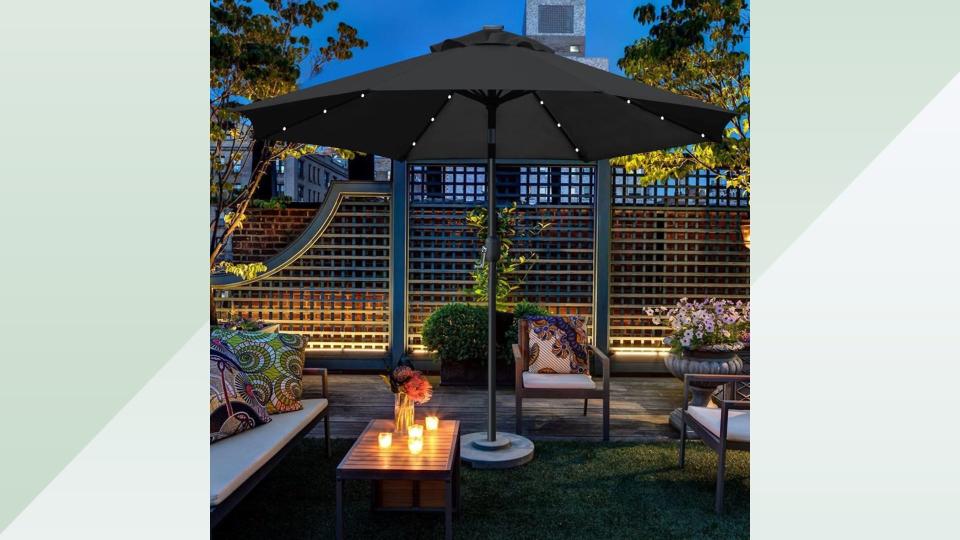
(719,444)
(520,356)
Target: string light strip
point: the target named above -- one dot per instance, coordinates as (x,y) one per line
(629,101)
(559,126)
(423,131)
(359,95)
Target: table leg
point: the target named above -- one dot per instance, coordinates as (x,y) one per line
(448,511)
(339,519)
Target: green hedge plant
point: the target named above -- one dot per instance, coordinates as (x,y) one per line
(457,332)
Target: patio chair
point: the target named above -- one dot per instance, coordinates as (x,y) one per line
(724,428)
(558,385)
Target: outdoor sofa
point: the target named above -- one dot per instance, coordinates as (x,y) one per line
(240,462)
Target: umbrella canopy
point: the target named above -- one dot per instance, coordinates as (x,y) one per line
(432,100)
(488,94)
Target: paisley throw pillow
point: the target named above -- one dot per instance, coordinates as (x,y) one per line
(557,345)
(274,364)
(233,406)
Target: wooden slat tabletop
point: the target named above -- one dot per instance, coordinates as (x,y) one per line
(437,454)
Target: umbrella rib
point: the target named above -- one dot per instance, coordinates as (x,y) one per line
(322,112)
(631,101)
(427,127)
(559,124)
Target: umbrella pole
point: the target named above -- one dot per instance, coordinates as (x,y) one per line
(492,450)
(493,254)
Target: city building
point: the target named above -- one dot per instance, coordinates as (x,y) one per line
(561,25)
(307,179)
(302,180)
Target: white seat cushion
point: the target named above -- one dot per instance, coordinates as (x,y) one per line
(558,380)
(738,422)
(235,459)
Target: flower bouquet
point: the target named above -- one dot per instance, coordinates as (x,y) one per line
(711,325)
(409,387)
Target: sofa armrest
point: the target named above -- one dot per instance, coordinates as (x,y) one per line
(323,378)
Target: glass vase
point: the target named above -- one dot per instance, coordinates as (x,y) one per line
(402,413)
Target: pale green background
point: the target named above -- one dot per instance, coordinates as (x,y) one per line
(103,145)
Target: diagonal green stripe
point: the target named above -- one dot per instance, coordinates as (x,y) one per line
(833,84)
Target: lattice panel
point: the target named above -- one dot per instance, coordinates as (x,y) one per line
(666,247)
(443,250)
(337,292)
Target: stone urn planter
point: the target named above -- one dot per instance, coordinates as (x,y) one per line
(701,363)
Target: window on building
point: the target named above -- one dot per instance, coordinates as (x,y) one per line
(299,193)
(555,19)
(326,178)
(281,167)
(575,48)
(300,168)
(237,165)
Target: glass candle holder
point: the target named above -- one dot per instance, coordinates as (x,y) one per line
(385,439)
(432,423)
(415,431)
(415,444)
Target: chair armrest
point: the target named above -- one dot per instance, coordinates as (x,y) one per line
(716,379)
(518,365)
(323,377)
(725,407)
(604,366)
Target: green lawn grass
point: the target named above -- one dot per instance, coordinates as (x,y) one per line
(570,490)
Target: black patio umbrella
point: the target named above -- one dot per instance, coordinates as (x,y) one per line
(488,94)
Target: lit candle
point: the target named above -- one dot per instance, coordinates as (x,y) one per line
(432,423)
(415,444)
(415,431)
(385,439)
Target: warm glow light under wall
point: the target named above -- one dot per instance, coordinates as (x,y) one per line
(432,423)
(385,439)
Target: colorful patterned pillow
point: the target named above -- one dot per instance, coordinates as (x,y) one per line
(233,406)
(557,345)
(274,364)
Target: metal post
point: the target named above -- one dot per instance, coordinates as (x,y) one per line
(602,209)
(398,262)
(493,254)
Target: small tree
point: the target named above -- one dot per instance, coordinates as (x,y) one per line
(694,48)
(509,266)
(256,56)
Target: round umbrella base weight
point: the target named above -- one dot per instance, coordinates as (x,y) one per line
(507,451)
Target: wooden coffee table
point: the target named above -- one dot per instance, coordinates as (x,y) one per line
(425,482)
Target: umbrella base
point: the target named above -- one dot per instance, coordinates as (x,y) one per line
(507,451)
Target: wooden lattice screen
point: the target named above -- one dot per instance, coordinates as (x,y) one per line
(442,249)
(337,291)
(669,241)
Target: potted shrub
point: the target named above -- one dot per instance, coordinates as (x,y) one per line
(705,338)
(457,333)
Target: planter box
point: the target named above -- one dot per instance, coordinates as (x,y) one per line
(474,374)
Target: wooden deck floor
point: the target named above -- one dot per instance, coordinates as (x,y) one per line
(639,409)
